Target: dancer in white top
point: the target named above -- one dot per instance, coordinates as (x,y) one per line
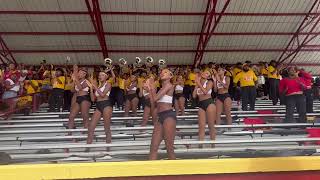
(223,102)
(103,105)
(179,100)
(207,108)
(81,95)
(165,125)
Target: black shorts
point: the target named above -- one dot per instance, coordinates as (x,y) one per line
(205,103)
(178,95)
(130,97)
(80,99)
(223,97)
(100,105)
(166,114)
(146,102)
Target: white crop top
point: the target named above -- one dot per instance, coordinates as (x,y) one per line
(85,89)
(145,93)
(15,88)
(132,89)
(220,85)
(102,88)
(179,88)
(199,91)
(165,99)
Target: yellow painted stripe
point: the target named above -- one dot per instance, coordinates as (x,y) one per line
(157,168)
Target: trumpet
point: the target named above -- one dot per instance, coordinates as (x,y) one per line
(162,63)
(138,63)
(108,63)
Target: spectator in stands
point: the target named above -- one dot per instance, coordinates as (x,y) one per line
(247,80)
(56,98)
(11,71)
(308,92)
(274,79)
(292,87)
(12,87)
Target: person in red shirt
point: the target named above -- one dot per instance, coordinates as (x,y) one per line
(307,80)
(292,88)
(12,71)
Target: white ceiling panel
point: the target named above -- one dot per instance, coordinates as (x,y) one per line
(154,5)
(234,57)
(60,58)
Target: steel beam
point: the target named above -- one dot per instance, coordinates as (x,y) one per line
(296,42)
(161,51)
(95,15)
(154,13)
(156,34)
(209,24)
(6,56)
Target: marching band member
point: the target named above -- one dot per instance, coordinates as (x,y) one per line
(247,80)
(56,98)
(132,99)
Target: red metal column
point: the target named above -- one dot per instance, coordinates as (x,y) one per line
(96,20)
(297,42)
(5,53)
(210,22)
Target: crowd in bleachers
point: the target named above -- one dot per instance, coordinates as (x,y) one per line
(157,89)
(21,79)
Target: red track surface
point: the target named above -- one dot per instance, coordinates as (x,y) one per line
(304,175)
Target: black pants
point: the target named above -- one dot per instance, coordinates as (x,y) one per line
(187,92)
(236,94)
(295,101)
(117,96)
(266,86)
(67,100)
(309,100)
(274,90)
(248,96)
(56,99)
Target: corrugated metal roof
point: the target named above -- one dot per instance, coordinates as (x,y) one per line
(153,24)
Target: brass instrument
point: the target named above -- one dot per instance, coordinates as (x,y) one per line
(149,61)
(108,63)
(138,62)
(162,63)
